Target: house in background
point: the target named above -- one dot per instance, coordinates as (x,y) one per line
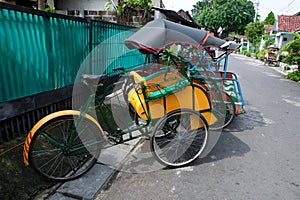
(285,26)
(34,4)
(181,17)
(94,9)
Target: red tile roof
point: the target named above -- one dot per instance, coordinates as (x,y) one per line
(269,28)
(288,23)
(243,36)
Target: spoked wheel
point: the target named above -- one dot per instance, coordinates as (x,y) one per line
(230,109)
(126,87)
(179,137)
(60,152)
(226,117)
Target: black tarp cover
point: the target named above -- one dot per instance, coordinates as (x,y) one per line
(160,33)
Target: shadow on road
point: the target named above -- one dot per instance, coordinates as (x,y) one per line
(227,146)
(246,121)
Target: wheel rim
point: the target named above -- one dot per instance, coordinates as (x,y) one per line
(52,156)
(182,144)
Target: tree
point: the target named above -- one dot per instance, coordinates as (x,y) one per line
(254,32)
(270,19)
(230,16)
(127,8)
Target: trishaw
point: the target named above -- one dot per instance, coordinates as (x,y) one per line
(210,66)
(175,110)
(229,81)
(271,56)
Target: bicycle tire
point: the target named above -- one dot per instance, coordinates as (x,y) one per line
(230,110)
(184,143)
(229,115)
(52,157)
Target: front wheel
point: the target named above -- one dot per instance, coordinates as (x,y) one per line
(65,148)
(179,137)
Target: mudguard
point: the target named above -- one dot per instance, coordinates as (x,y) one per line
(47,118)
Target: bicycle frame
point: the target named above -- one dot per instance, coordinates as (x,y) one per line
(223,75)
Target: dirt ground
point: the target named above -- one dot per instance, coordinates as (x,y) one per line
(16,180)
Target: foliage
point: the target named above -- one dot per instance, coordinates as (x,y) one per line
(254,32)
(282,56)
(262,53)
(293,56)
(268,41)
(247,53)
(293,49)
(144,4)
(294,76)
(231,15)
(137,4)
(270,19)
(127,8)
(49,9)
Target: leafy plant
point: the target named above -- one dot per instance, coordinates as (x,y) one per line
(294,76)
(293,57)
(262,53)
(268,40)
(51,10)
(282,56)
(247,53)
(127,9)
(293,49)
(137,4)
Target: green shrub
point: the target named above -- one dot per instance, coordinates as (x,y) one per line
(294,76)
(293,50)
(282,57)
(262,53)
(248,53)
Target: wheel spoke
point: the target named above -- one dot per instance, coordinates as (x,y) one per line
(56,155)
(183,147)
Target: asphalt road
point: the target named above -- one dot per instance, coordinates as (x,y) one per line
(257,157)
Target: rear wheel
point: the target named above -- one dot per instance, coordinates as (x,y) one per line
(230,109)
(179,137)
(59,151)
(225,116)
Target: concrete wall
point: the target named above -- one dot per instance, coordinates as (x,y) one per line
(80,4)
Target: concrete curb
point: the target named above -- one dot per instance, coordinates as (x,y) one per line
(90,184)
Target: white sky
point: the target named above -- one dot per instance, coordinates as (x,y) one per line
(279,7)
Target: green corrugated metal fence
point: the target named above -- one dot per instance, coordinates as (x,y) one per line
(43,51)
(108,44)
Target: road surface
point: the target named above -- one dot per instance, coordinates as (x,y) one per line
(257,157)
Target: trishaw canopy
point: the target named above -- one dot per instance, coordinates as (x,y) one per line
(159,34)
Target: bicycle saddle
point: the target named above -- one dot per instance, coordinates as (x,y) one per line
(94,79)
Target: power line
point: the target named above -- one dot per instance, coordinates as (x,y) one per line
(287,5)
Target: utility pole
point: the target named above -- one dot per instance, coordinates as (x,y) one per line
(256,5)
